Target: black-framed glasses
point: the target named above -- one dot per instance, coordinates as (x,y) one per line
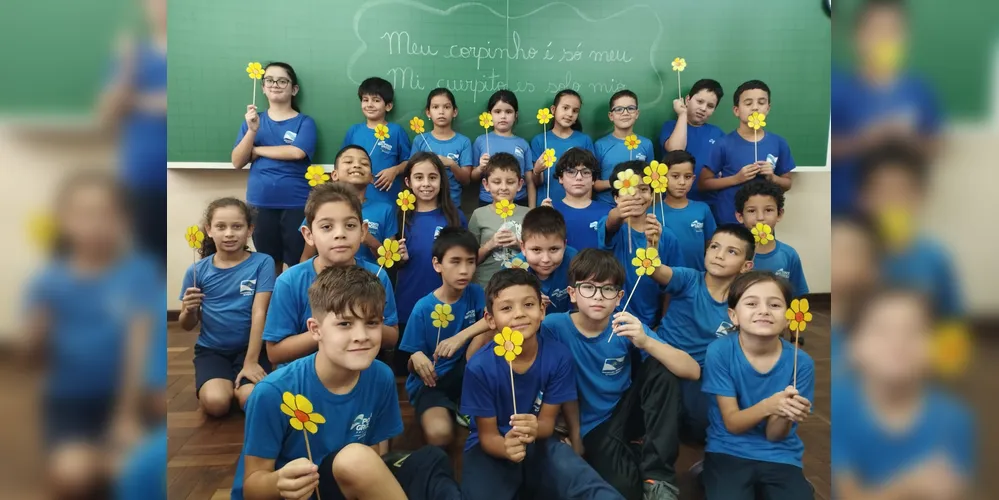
(582,172)
(622,109)
(589,290)
(278,83)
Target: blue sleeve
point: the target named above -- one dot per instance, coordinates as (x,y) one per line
(477,150)
(669,249)
(144,475)
(948,289)
(786,161)
(476,393)
(602,242)
(264,427)
(391,314)
(265,275)
(666,133)
(188,280)
(465,153)
(386,422)
(650,150)
(537,147)
(419,143)
(588,144)
(404,144)
(562,384)
(414,338)
(799,284)
(306,138)
(548,329)
(347,137)
(390,223)
(683,280)
(716,379)
(710,226)
(716,160)
(930,117)
(806,379)
(283,315)
(525,165)
(240,135)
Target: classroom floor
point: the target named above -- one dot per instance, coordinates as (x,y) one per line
(202,452)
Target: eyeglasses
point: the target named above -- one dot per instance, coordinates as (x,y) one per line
(620,110)
(583,172)
(279,83)
(589,290)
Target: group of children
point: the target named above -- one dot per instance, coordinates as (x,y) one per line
(514,323)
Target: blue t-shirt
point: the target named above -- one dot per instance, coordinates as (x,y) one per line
(575,140)
(382,223)
(694,319)
(368,414)
(417,277)
(693,226)
(457,148)
(145,475)
(581,223)
(733,153)
(387,153)
(700,141)
(280,183)
(499,144)
(610,151)
(784,262)
(143,146)
(875,456)
(227,309)
(156,355)
(89,318)
(289,309)
(556,286)
(926,266)
(646,304)
(486,391)
(421,334)
(728,373)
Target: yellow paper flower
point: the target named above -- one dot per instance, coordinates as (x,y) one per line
(388,253)
(646,261)
(486,120)
(952,349)
(255,71)
(381,132)
(544,116)
(888,56)
(299,408)
(316,175)
(42,230)
(655,176)
(757,121)
(416,125)
(508,343)
(548,158)
(516,263)
(632,142)
(762,233)
(504,209)
(406,200)
(897,227)
(627,182)
(679,64)
(442,315)
(798,315)
(194,237)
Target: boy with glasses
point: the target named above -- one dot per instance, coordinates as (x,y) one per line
(612,149)
(576,170)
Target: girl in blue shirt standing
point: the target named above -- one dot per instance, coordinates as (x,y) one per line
(453,149)
(566,133)
(279,145)
(503,107)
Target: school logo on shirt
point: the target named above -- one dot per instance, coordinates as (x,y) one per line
(711,141)
(453,156)
(518,151)
(559,294)
(640,156)
(783,274)
(594,224)
(437,231)
(771,159)
(360,426)
(697,226)
(470,317)
(537,402)
(385,147)
(372,228)
(289,137)
(247,287)
(613,366)
(724,328)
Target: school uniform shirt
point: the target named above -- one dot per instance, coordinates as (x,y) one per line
(576,139)
(417,276)
(728,373)
(457,148)
(927,266)
(700,141)
(581,223)
(694,318)
(556,286)
(144,474)
(486,392)
(484,224)
(289,309)
(143,141)
(421,334)
(693,226)
(155,377)
(382,223)
(384,154)
(646,303)
(875,455)
(514,145)
(227,309)
(280,183)
(610,151)
(733,153)
(368,415)
(784,262)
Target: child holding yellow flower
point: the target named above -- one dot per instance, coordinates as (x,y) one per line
(620,145)
(501,115)
(386,142)
(562,133)
(762,202)
(454,149)
(497,226)
(690,220)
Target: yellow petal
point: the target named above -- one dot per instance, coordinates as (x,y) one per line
(498,339)
(311,427)
(509,355)
(635,261)
(801,326)
(517,338)
(303,404)
(789,314)
(499,350)
(804,305)
(287,411)
(808,316)
(296,424)
(794,325)
(507,332)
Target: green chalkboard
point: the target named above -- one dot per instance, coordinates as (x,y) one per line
(533,47)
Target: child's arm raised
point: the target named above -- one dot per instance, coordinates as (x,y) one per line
(676,361)
(447,348)
(677,139)
(263,442)
(627,207)
(286,153)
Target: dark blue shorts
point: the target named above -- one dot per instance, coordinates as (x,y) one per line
(214,363)
(425,474)
(446,394)
(76,419)
(276,232)
(693,412)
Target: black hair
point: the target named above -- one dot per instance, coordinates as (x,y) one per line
(678,156)
(574,157)
(444,202)
(376,86)
(438,92)
(596,265)
(707,84)
(503,95)
(346,148)
(619,94)
(578,125)
(746,280)
(867,227)
(451,237)
(750,85)
(873,299)
(866,6)
(636,165)
(543,221)
(898,155)
(741,232)
(347,291)
(208,247)
(502,161)
(83,179)
(759,187)
(331,192)
(506,278)
(291,76)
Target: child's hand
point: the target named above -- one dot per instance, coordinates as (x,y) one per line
(934,478)
(447,161)
(539,165)
(504,238)
(653,230)
(383,179)
(252,371)
(680,106)
(526,425)
(766,168)
(547,202)
(403,251)
(515,448)
(424,368)
(630,206)
(448,347)
(297,479)
(628,326)
(748,172)
(192,299)
(799,408)
(252,119)
(545,302)
(484,159)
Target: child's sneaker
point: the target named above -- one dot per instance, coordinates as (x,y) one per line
(659,490)
(462,420)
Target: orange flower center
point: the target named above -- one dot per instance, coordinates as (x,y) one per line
(799,317)
(508,345)
(646,263)
(301,416)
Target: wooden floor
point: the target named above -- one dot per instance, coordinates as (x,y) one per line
(202,452)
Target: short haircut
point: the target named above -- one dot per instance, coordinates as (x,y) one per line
(873,299)
(863,223)
(707,84)
(331,192)
(451,237)
(596,265)
(543,221)
(750,85)
(636,165)
(619,94)
(759,187)
(866,6)
(506,278)
(898,155)
(336,159)
(376,86)
(575,157)
(347,291)
(745,280)
(678,156)
(741,232)
(503,161)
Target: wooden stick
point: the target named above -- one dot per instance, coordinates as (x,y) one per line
(513,390)
(309,452)
(625,308)
(756,156)
(437,344)
(402,234)
(794,383)
(379,272)
(254,92)
(427,143)
(679,93)
(194,268)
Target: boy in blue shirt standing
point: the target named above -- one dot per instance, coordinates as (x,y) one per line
(335,228)
(388,156)
(544,250)
(691,221)
(576,171)
(611,149)
(761,201)
(343,408)
(732,162)
(612,411)
(509,454)
(434,382)
(691,131)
